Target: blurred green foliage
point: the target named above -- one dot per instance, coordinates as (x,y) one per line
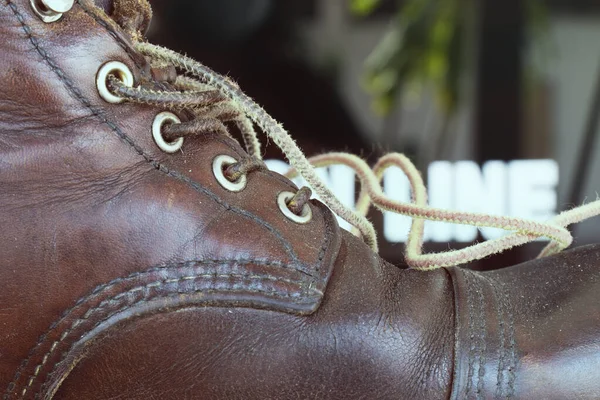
(363,7)
(426,46)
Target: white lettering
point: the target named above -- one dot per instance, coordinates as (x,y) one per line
(482,192)
(533,189)
(441,195)
(397,187)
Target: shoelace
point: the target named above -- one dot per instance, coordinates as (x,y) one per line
(524,230)
(215,99)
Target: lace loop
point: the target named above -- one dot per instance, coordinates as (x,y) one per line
(233,172)
(304,216)
(220,164)
(297,203)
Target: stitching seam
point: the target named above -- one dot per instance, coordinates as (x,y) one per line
(482,340)
(134,276)
(88,315)
(471,334)
(121,310)
(502,351)
(512,365)
(158,284)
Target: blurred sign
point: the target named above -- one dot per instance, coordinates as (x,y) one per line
(523,188)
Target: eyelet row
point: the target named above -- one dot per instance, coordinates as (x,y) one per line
(51,10)
(123,73)
(223,161)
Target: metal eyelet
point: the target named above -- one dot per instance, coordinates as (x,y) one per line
(121,72)
(51,10)
(159,121)
(219,164)
(304,218)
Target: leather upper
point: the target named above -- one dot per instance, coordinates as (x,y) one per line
(128,273)
(96,200)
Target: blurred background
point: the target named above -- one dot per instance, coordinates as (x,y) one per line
(444,81)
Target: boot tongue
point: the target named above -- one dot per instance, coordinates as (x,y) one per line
(132,15)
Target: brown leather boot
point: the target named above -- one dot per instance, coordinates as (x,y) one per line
(132,272)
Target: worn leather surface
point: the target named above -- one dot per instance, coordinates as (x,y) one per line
(127,273)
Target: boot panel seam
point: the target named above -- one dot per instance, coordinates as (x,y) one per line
(505,379)
(280,287)
(485,361)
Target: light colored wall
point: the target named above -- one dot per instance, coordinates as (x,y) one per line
(572,74)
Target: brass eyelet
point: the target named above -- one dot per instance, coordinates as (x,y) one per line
(51,10)
(159,121)
(282,201)
(221,162)
(121,72)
